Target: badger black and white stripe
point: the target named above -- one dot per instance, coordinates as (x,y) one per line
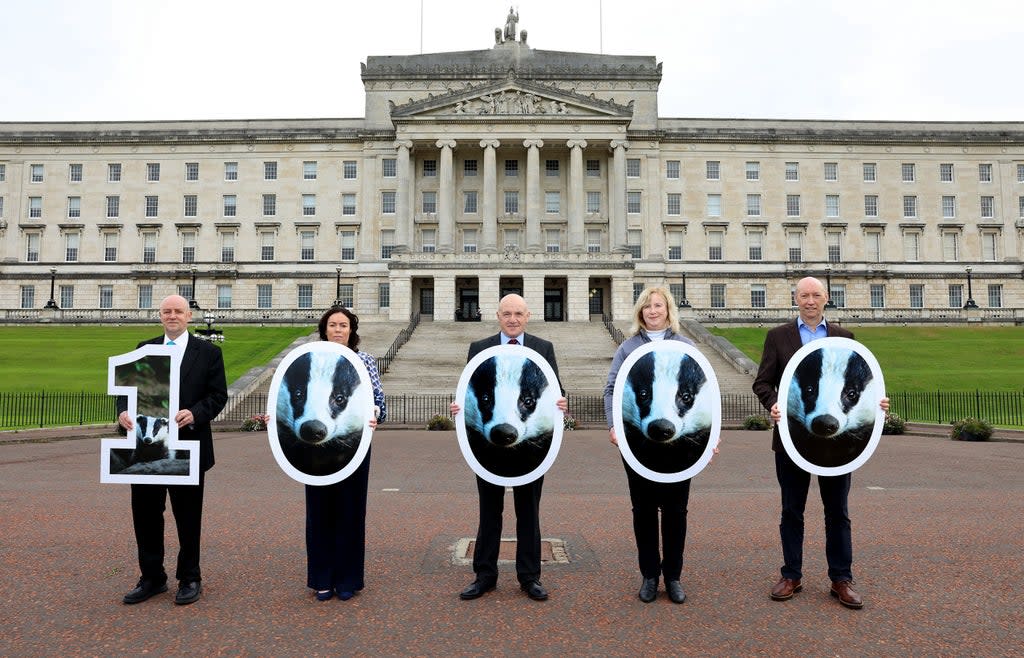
(510,414)
(319,431)
(831,406)
(150,440)
(667,411)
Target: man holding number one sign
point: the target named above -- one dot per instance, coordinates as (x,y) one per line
(201,394)
(821,395)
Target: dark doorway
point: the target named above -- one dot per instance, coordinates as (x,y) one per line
(596,301)
(427,301)
(469,305)
(554,305)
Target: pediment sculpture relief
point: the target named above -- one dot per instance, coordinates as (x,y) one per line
(510,102)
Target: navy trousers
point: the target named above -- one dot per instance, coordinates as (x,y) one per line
(336,532)
(648,499)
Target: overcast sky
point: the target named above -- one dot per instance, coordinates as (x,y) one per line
(110,60)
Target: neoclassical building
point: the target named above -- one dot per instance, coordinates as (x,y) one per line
(510,169)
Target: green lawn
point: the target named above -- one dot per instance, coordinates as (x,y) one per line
(927,358)
(74,358)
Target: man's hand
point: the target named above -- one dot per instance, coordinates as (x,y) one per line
(125,421)
(183,418)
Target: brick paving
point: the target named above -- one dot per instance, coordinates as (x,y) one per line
(938,530)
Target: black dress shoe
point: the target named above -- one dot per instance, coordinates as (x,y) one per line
(144,590)
(675,591)
(475,590)
(534,590)
(648,590)
(188,592)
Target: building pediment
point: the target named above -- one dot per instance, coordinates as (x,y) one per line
(510,99)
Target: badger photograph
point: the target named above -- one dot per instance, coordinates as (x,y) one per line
(151,455)
(668,408)
(832,406)
(510,414)
(322,409)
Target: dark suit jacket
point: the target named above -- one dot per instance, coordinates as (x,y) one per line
(202,390)
(539,345)
(780,345)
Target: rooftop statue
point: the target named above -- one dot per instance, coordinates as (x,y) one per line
(510,24)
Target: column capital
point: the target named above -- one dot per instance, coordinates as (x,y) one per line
(493,143)
(618,143)
(531,143)
(442,143)
(403,143)
(576,143)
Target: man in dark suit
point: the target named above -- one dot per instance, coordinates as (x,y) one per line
(513,316)
(780,344)
(201,396)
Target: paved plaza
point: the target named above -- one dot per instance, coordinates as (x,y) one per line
(937,529)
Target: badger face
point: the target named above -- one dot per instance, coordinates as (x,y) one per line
(150,430)
(313,401)
(832,393)
(664,397)
(503,395)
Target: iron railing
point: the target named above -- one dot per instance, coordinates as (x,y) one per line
(384,362)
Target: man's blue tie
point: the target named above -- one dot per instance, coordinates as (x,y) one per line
(170,342)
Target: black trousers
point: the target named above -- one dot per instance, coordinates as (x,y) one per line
(648,499)
(149,501)
(336,532)
(488,536)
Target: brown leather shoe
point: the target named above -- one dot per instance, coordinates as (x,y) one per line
(843,591)
(785,589)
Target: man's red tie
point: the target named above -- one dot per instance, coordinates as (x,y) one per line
(513,341)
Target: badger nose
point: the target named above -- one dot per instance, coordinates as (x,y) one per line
(661,430)
(148,440)
(312,431)
(503,435)
(824,425)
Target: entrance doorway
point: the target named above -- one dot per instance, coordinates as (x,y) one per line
(469,305)
(554,305)
(427,301)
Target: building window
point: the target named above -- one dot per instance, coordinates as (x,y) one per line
(552,240)
(110,247)
(145,295)
(149,246)
(831,205)
(877,295)
(1020,207)
(304,296)
(873,246)
(794,247)
(632,167)
(638,288)
(753,171)
(429,203)
(308,205)
(307,245)
(387,243)
(716,240)
(912,246)
(153,172)
(1,207)
(384,295)
(672,169)
(35,207)
(191,171)
(227,247)
(908,172)
(269,205)
(230,171)
(870,172)
(74,207)
(3,173)
(348,204)
(717,295)
(267,239)
(510,238)
(428,240)
(755,245)
(309,170)
(838,295)
(32,241)
(114,172)
(949,207)
(350,169)
(429,168)
(792,205)
(511,202)
(1020,174)
(191,205)
(113,206)
(792,171)
(230,205)
(264,295)
(594,168)
(834,245)
(758,295)
(552,203)
(714,205)
(469,202)
(946,172)
(388,168)
(956,295)
(387,203)
(188,247)
(71,241)
(713,170)
(512,168)
(984,173)
(988,205)
(916,295)
(674,203)
(989,246)
(348,245)
(223,295)
(634,242)
(633,202)
(28,296)
(593,240)
(995,296)
(469,241)
(871,205)
(831,171)
(909,206)
(270,170)
(594,203)
(753,205)
(106,296)
(551,168)
(950,246)
(469,168)
(74,175)
(185,290)
(36,175)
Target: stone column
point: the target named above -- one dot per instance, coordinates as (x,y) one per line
(488,290)
(403,198)
(533,200)
(579,297)
(617,195)
(445,199)
(576,207)
(489,210)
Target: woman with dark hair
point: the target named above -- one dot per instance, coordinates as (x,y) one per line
(336,513)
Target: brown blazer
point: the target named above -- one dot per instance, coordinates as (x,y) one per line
(780,344)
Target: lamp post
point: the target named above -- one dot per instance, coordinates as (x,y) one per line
(53,281)
(337,287)
(970,294)
(684,303)
(828,287)
(192,303)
